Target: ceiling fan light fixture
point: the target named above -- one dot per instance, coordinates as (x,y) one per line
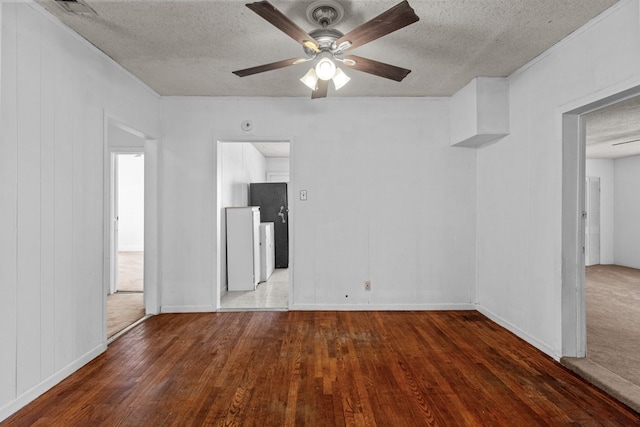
(340,79)
(310,45)
(342,47)
(325,69)
(310,79)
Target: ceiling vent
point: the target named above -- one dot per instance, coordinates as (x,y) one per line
(76,7)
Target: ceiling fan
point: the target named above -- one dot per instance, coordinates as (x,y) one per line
(328,45)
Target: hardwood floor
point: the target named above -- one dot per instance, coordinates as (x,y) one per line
(323,369)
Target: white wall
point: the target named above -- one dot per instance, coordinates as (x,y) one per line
(603,168)
(619,209)
(520,177)
(277,164)
(278,169)
(388,200)
(627,211)
(120,138)
(130,202)
(55,91)
(241,164)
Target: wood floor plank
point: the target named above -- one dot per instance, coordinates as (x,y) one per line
(322,369)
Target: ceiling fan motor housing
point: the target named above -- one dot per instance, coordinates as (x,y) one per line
(325,13)
(326,38)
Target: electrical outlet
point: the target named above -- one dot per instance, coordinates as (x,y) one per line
(367,285)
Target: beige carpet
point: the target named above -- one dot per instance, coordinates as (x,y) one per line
(613,332)
(127,305)
(613,319)
(130,271)
(123,309)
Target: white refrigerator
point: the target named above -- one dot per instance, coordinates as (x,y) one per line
(243,248)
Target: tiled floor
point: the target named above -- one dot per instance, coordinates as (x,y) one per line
(272,294)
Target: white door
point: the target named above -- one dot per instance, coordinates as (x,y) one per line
(592,224)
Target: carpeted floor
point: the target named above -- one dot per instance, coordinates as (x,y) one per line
(613,333)
(613,319)
(123,309)
(127,305)
(130,271)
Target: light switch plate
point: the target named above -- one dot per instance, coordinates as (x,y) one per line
(303,194)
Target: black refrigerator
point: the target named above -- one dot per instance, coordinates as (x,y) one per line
(272,199)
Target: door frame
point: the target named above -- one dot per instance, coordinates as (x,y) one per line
(591,256)
(149,147)
(573,135)
(217,238)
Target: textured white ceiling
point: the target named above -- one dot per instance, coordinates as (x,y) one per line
(190,47)
(610,126)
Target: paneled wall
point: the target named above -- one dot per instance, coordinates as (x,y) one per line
(520,197)
(241,164)
(388,200)
(55,92)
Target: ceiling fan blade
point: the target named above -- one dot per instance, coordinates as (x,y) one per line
(321,90)
(269,67)
(284,24)
(387,22)
(376,68)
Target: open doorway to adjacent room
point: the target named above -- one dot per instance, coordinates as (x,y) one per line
(254,269)
(131,250)
(612,238)
(601,231)
(131,253)
(125,299)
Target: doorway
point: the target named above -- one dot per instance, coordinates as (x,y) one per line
(613,267)
(593,312)
(131,252)
(242,165)
(125,300)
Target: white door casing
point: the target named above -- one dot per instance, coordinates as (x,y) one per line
(592,222)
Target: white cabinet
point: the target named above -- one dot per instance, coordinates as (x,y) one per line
(243,248)
(267,251)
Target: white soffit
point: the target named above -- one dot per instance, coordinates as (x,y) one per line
(191,47)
